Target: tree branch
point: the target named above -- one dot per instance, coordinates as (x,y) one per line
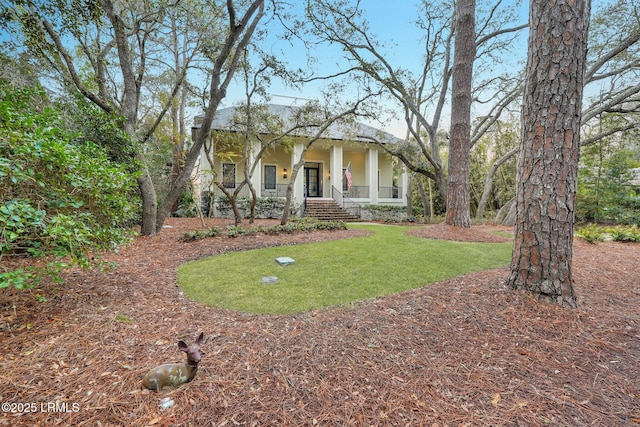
(70,67)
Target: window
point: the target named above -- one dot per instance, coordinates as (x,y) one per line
(229,175)
(269,177)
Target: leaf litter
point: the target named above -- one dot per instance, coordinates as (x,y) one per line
(462,352)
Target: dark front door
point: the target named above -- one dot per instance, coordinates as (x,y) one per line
(312,181)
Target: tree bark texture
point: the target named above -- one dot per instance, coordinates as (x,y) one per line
(549,150)
(458,198)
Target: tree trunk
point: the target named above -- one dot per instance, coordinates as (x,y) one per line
(458,198)
(177,137)
(408,196)
(289,194)
(550,150)
(178,148)
(438,169)
(426,206)
(224,67)
(488,182)
(149,201)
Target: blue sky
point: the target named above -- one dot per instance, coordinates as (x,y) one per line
(392,22)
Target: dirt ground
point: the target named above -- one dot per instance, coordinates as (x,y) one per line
(463,352)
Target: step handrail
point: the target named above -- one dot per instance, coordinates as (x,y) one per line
(345,203)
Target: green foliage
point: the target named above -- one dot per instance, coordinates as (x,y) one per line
(625,234)
(19,278)
(591,233)
(266,207)
(61,195)
(388,213)
(235,231)
(303,224)
(604,194)
(187,207)
(101,128)
(194,235)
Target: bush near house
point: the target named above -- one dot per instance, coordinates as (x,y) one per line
(388,213)
(296,224)
(266,207)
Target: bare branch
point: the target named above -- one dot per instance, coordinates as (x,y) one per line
(630,40)
(499,32)
(70,69)
(615,129)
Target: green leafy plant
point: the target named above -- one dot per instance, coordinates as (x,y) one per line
(266,207)
(62,197)
(625,234)
(191,236)
(299,225)
(591,233)
(235,231)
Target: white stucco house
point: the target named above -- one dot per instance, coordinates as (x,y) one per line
(376,179)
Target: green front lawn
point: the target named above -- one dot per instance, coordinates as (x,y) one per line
(332,273)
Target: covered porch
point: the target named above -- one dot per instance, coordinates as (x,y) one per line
(375,179)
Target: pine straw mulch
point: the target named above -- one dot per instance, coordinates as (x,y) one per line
(463,352)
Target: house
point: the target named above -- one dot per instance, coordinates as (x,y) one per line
(283,132)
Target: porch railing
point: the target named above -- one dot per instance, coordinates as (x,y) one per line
(363,192)
(244,192)
(279,191)
(357,192)
(390,193)
(345,202)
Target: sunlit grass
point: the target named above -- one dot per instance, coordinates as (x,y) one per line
(332,273)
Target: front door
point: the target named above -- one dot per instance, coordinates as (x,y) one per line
(312,181)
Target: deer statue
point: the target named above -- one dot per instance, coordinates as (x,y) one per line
(175,374)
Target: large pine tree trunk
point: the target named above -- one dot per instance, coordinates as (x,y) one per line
(458,198)
(549,150)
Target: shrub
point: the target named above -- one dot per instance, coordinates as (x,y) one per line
(625,234)
(591,233)
(61,198)
(191,236)
(389,213)
(235,231)
(266,207)
(303,224)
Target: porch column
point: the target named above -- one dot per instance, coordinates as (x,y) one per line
(372,175)
(298,185)
(256,178)
(335,167)
(404,182)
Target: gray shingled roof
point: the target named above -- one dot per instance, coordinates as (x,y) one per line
(356,131)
